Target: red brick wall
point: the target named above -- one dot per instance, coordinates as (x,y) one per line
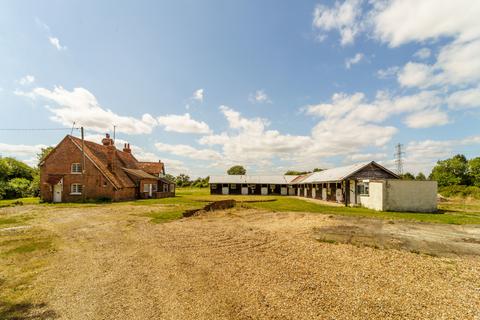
(96,185)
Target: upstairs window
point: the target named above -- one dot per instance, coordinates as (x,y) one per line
(76,168)
(76,189)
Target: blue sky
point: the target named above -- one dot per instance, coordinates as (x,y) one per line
(270,85)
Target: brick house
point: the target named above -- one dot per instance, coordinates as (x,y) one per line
(101,171)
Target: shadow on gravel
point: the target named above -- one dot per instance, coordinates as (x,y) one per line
(26,311)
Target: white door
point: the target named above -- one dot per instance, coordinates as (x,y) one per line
(313,193)
(283,191)
(244,190)
(324,193)
(57,193)
(224,190)
(291,192)
(305,192)
(264,191)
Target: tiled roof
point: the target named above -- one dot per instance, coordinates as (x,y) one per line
(140,174)
(154,168)
(98,154)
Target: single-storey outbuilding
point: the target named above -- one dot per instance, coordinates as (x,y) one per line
(364,184)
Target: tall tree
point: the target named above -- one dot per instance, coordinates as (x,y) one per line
(408,176)
(237,170)
(420,176)
(16,169)
(183,180)
(44,152)
(451,171)
(474,171)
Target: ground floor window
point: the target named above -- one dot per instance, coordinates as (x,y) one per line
(76,189)
(363,189)
(154,187)
(214,186)
(146,187)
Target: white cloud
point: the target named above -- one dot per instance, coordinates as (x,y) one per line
(343,18)
(56,43)
(427,118)
(388,72)
(354,60)
(25,153)
(198,95)
(358,157)
(423,53)
(183,124)
(260,96)
(188,151)
(401,21)
(415,75)
(28,79)
(464,99)
(81,106)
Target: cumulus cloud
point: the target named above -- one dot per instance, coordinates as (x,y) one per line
(464,99)
(344,18)
(25,153)
(81,106)
(56,43)
(388,72)
(353,60)
(260,96)
(401,21)
(427,119)
(28,79)
(423,53)
(198,95)
(189,151)
(183,124)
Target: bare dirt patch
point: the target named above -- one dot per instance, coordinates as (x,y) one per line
(113,263)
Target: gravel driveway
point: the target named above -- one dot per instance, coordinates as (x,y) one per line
(112,263)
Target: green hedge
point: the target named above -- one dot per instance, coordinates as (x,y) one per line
(460,191)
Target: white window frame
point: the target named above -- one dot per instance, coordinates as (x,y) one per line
(76,168)
(233,186)
(365,187)
(214,186)
(76,189)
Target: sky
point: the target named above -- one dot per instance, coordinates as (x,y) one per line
(270,85)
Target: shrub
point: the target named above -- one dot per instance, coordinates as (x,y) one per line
(460,191)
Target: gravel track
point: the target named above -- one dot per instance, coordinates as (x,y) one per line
(112,263)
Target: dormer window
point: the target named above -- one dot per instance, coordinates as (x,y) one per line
(76,168)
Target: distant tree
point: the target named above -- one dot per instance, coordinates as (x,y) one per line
(408,176)
(183,180)
(170,177)
(453,171)
(317,169)
(295,173)
(237,170)
(474,171)
(18,188)
(201,182)
(420,176)
(44,152)
(3,170)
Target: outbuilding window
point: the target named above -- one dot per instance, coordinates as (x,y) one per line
(214,186)
(363,189)
(76,189)
(146,187)
(76,168)
(233,186)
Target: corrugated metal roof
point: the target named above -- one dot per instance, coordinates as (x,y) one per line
(334,174)
(233,179)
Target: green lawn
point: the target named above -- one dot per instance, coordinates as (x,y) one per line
(456,211)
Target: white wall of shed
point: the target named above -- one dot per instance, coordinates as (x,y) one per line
(412,196)
(375,199)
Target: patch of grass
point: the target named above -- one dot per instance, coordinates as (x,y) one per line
(9,220)
(12,202)
(162,217)
(30,246)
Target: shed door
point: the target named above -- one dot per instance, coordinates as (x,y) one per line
(283,191)
(244,190)
(264,191)
(57,192)
(225,190)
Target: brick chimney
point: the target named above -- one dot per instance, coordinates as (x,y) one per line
(111,153)
(107,141)
(126,148)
